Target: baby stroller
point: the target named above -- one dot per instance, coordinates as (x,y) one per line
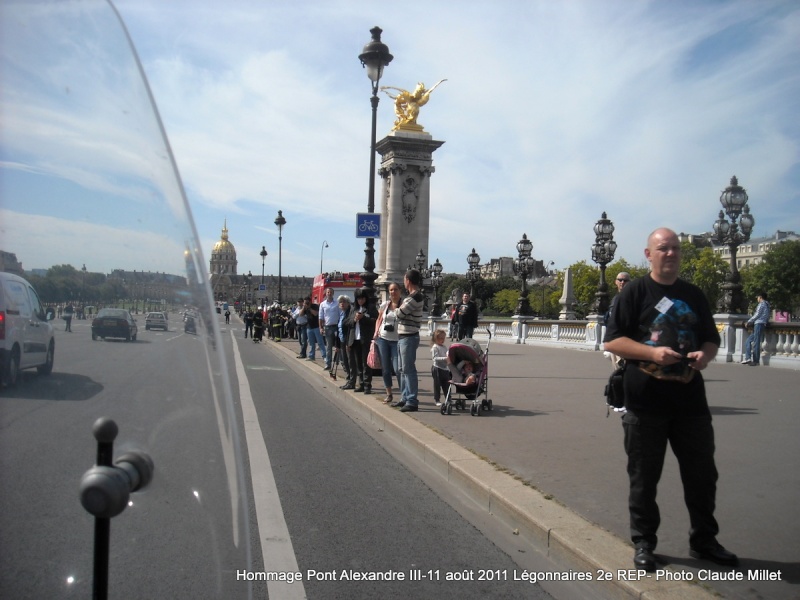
(459,353)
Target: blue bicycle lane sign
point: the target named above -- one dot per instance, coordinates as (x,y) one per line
(368,225)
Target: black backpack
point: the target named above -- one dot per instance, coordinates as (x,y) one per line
(614,392)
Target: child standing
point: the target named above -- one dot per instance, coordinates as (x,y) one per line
(439,368)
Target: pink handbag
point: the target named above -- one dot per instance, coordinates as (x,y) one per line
(374,356)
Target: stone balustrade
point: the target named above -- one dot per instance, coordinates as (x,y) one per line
(781,346)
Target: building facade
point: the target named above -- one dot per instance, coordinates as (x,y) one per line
(752,251)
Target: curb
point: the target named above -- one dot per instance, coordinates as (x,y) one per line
(570,541)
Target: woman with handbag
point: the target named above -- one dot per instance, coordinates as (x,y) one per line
(386,338)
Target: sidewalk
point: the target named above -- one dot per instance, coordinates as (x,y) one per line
(547,461)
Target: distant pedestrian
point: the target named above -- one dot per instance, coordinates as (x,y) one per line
(248,323)
(465,317)
(409,318)
(621,280)
(329,324)
(227,316)
(315,337)
(386,338)
(759,321)
(69,311)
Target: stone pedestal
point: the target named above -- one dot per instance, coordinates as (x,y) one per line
(406,168)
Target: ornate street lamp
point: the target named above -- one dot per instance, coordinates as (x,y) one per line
(436,281)
(523,266)
(603,253)
(280,222)
(321,250)
(474,272)
(731,234)
(263,255)
(423,270)
(374,58)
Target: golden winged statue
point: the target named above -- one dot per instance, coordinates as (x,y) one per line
(406,105)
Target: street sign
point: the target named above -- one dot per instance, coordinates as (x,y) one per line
(368,225)
(262,287)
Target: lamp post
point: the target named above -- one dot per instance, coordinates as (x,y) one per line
(436,281)
(603,253)
(83,285)
(424,272)
(731,234)
(280,222)
(263,255)
(324,245)
(374,58)
(474,273)
(523,266)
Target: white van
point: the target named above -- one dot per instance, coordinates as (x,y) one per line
(26,336)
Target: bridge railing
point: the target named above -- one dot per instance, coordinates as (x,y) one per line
(780,348)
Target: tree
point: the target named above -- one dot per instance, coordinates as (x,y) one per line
(778,275)
(704,268)
(505,301)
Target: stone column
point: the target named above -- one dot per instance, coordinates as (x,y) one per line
(406,168)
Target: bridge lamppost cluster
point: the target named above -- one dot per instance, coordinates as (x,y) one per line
(731,234)
(603,253)
(375,57)
(474,272)
(523,266)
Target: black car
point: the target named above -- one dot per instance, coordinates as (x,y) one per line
(114,323)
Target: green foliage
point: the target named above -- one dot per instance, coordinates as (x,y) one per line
(505,302)
(778,275)
(704,268)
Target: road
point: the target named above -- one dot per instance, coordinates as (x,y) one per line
(349,506)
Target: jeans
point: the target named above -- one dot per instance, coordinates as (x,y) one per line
(752,347)
(465,332)
(331,336)
(389,357)
(314,339)
(692,442)
(302,337)
(407,350)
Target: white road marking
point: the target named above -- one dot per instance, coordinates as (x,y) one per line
(276,544)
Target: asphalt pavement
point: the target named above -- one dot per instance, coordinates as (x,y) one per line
(548,462)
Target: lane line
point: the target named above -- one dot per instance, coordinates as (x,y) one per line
(276,544)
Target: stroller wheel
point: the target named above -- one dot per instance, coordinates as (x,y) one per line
(484,405)
(473,410)
(489,404)
(449,408)
(443,409)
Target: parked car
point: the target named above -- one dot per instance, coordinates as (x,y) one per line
(156,320)
(26,335)
(114,323)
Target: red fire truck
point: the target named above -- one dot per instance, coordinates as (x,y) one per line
(342,283)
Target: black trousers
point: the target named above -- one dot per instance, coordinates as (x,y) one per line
(692,442)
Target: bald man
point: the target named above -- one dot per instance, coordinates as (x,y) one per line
(663,327)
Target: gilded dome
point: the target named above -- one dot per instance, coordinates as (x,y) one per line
(223,256)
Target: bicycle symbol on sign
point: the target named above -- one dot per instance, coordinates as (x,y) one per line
(368,227)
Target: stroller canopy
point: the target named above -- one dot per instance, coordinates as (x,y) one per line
(466,350)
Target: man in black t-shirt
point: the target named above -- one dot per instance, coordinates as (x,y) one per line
(664,328)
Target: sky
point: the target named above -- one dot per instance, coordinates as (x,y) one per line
(552,113)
